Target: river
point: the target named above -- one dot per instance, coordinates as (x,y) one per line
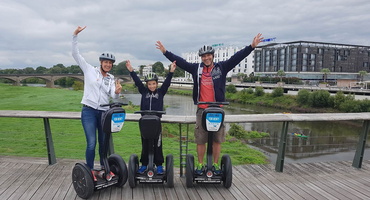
(326,141)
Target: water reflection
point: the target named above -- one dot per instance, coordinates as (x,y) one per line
(325,140)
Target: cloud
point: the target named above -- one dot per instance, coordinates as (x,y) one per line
(39,32)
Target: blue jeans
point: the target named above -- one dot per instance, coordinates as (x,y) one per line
(91,122)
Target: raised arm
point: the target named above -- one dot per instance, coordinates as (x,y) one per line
(240,55)
(76,52)
(182,63)
(167,82)
(134,76)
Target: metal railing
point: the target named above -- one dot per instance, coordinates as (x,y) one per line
(186,120)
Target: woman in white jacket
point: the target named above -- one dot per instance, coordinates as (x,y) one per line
(99,87)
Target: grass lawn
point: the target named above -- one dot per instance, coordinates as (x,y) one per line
(26,137)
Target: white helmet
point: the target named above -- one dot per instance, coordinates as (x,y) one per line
(107,56)
(205,50)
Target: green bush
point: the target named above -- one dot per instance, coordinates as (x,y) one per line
(319,99)
(259,91)
(256,134)
(231,89)
(350,106)
(78,85)
(237,131)
(302,97)
(278,92)
(339,98)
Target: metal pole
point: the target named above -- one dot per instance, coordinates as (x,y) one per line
(49,142)
(281,153)
(359,155)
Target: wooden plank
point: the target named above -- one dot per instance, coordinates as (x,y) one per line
(179,189)
(357,186)
(41,176)
(12,176)
(18,186)
(247,184)
(159,191)
(294,175)
(321,185)
(66,184)
(324,180)
(138,192)
(284,181)
(71,193)
(127,192)
(191,192)
(44,186)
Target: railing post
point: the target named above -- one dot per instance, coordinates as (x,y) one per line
(281,153)
(49,142)
(182,146)
(359,155)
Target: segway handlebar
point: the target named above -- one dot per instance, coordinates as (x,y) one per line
(211,104)
(150,112)
(114,104)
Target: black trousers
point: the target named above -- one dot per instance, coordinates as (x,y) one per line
(158,152)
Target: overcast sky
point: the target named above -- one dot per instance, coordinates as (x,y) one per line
(39,32)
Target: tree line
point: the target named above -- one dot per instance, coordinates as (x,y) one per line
(119,69)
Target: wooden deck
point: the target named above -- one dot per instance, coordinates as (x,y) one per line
(33,178)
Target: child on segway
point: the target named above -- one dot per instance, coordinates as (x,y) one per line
(151,99)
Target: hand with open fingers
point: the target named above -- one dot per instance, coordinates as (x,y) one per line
(257,40)
(129,66)
(173,66)
(160,47)
(78,30)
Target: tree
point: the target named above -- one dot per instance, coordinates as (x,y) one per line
(74,69)
(325,71)
(28,70)
(362,74)
(158,68)
(120,69)
(281,73)
(41,70)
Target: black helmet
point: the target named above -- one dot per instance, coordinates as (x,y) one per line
(107,56)
(205,50)
(151,77)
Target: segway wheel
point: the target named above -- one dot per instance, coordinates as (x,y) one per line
(227,171)
(118,167)
(82,180)
(133,166)
(189,173)
(169,171)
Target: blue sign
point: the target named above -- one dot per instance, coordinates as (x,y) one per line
(213,121)
(117,121)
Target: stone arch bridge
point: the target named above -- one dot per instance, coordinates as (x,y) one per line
(50,78)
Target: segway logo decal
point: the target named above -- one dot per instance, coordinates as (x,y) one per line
(213,121)
(117,121)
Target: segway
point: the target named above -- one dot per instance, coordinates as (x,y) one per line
(150,128)
(83,181)
(212,120)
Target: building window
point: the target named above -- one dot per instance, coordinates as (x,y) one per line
(366,64)
(304,68)
(294,50)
